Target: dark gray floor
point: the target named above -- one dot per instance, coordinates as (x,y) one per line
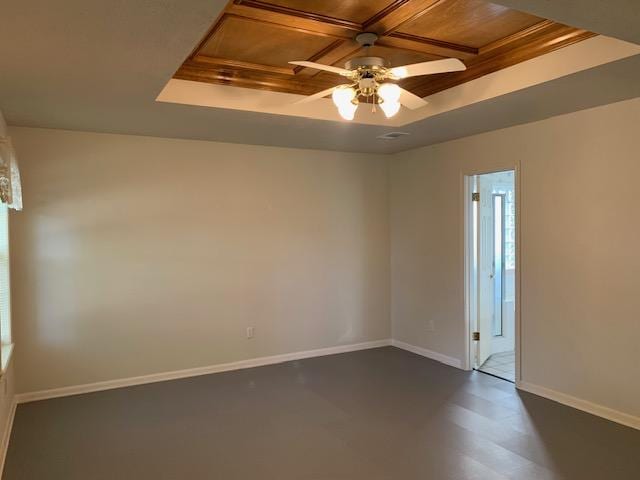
(375,414)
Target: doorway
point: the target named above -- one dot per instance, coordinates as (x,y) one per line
(492,273)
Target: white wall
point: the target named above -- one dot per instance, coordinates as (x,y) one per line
(580,238)
(138,255)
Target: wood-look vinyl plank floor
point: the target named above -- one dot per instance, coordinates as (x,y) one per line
(377,414)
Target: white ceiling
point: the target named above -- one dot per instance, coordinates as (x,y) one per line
(99,65)
(615,18)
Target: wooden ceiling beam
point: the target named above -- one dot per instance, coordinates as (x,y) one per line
(404,11)
(198,72)
(518,36)
(205,61)
(428,45)
(330,56)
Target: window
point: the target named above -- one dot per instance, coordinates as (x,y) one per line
(498,261)
(509,225)
(5,292)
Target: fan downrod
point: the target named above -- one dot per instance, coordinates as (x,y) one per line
(367,39)
(366,65)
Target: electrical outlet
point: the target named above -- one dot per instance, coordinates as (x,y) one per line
(250,332)
(431,326)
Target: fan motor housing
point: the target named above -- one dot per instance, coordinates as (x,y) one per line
(366,63)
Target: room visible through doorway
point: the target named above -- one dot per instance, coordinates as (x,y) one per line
(492,273)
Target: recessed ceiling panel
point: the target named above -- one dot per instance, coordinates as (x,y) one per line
(473,23)
(261,43)
(355,11)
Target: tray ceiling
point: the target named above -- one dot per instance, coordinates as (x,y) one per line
(252,41)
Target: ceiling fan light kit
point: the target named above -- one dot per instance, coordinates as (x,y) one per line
(370,80)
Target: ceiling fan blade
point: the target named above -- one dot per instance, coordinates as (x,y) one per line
(428,68)
(317,96)
(320,66)
(411,100)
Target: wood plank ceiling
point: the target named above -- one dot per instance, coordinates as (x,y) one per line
(251,42)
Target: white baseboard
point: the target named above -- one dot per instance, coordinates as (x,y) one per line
(584,405)
(193,372)
(439,357)
(4,446)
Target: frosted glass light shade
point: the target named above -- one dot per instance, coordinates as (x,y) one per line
(343,99)
(348,111)
(342,96)
(390,108)
(390,95)
(389,92)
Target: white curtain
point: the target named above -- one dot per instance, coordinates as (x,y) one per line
(10,189)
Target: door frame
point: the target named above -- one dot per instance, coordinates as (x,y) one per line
(466,175)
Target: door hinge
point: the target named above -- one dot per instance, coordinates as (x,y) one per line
(475,336)
(475,197)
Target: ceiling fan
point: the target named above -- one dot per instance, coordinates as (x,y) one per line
(369,79)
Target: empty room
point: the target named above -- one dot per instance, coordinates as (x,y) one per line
(319,240)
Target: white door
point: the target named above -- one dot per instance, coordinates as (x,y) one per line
(486,269)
